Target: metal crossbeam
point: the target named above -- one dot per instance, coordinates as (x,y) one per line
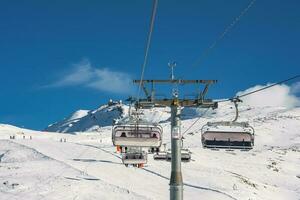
(177,81)
(207,103)
(199,101)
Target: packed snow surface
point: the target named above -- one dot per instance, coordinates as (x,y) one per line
(85,165)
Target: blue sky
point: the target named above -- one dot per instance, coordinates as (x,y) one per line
(47,45)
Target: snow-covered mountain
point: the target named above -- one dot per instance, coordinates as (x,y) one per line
(90,120)
(38,165)
(56,165)
(93,120)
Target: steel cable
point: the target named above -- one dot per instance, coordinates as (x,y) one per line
(155,2)
(223,34)
(261,89)
(200,117)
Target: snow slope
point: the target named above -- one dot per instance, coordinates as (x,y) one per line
(87,166)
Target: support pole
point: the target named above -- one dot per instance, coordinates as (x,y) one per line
(176,184)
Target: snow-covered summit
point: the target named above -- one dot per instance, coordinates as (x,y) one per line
(90,120)
(93,120)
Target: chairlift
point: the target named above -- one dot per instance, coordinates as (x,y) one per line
(136,132)
(185,155)
(167,155)
(136,158)
(228,134)
(162,155)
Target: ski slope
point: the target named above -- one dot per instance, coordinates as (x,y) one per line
(87,166)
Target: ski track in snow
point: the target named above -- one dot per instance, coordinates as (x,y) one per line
(159,175)
(108,152)
(189,185)
(59,175)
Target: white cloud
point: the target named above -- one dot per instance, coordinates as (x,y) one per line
(295,88)
(279,95)
(106,80)
(102,79)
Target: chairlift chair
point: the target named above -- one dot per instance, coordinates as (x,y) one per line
(228,134)
(136,132)
(160,155)
(185,155)
(167,155)
(136,158)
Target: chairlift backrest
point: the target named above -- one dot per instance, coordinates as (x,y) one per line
(137,134)
(231,135)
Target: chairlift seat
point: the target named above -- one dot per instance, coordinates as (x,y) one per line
(224,135)
(132,158)
(185,155)
(143,135)
(160,156)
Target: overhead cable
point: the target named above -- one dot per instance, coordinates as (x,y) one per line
(261,89)
(200,117)
(206,52)
(155,2)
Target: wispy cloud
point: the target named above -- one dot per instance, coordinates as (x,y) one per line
(102,79)
(279,95)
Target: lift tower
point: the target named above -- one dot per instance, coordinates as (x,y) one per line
(176,183)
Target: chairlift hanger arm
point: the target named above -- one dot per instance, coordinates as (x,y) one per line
(146,91)
(204,92)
